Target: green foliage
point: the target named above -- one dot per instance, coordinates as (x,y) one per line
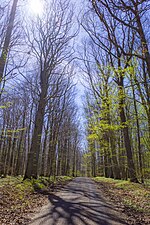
(146,171)
(104,120)
(7,105)
(12,133)
(25,185)
(93,136)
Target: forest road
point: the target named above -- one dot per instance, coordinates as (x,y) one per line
(78,203)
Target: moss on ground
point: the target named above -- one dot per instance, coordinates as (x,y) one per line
(19,198)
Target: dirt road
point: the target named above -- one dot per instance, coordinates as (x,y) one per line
(79,203)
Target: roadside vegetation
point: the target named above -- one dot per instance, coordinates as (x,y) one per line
(20,198)
(130,198)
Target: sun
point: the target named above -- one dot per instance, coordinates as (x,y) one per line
(36,6)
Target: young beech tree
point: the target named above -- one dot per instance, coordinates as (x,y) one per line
(98,75)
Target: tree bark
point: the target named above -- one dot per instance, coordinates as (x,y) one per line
(127,142)
(20,149)
(138,134)
(33,155)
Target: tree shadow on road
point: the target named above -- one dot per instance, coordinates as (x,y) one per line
(76,211)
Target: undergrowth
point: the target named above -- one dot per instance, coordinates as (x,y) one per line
(132,198)
(19,198)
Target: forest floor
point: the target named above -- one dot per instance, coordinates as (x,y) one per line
(20,198)
(129,198)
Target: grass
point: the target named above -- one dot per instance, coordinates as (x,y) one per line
(20,189)
(132,195)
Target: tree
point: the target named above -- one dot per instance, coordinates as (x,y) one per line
(131,15)
(50,44)
(6,44)
(114,34)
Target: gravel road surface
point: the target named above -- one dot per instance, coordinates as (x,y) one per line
(78,203)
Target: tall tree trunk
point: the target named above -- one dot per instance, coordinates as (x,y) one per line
(33,155)
(127,142)
(74,161)
(20,149)
(144,43)
(115,172)
(138,134)
(44,158)
(59,158)
(115,164)
(7,156)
